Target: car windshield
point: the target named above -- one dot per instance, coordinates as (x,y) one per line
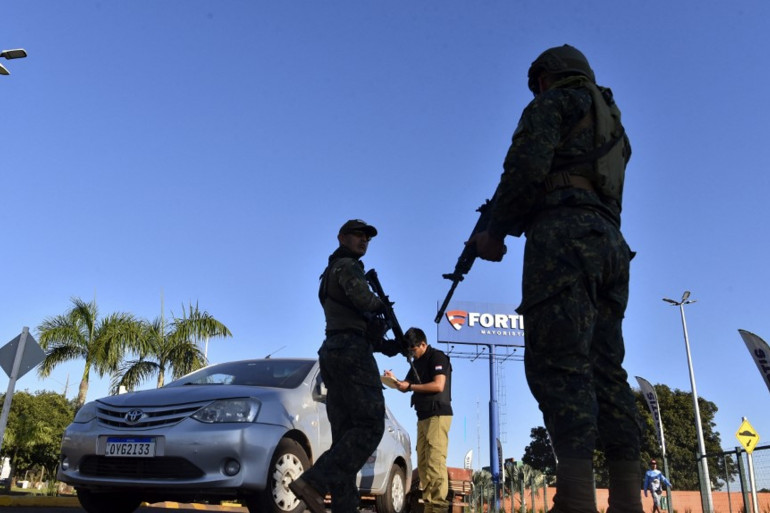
(277,373)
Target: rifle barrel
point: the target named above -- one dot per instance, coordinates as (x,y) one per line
(448,297)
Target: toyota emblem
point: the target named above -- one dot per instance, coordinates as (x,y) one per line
(133,416)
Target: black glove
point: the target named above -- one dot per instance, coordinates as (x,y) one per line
(376,329)
(389,347)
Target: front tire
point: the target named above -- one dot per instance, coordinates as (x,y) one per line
(289,461)
(111,502)
(394,498)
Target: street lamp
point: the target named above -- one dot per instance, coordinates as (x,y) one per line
(18,53)
(703,468)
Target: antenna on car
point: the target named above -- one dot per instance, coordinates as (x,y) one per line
(271,354)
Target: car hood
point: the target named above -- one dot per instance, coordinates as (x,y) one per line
(191,394)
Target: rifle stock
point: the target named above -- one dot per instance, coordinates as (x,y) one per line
(466,258)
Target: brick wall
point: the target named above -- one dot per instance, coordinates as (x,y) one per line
(683,501)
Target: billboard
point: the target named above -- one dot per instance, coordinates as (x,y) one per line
(483,323)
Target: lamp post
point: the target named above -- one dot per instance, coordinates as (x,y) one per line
(703,469)
(18,53)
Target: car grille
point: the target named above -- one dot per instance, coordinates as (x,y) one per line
(146,417)
(142,468)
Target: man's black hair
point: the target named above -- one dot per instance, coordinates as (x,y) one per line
(414,337)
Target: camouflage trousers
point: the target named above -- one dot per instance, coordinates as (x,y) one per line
(356,410)
(575,291)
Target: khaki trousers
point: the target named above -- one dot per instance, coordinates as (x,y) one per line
(432,445)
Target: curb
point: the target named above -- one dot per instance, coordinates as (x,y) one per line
(39,501)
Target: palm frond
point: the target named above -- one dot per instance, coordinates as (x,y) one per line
(56,355)
(185,358)
(59,329)
(195,325)
(84,314)
(116,334)
(132,374)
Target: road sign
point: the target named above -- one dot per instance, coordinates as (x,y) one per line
(17,357)
(747,436)
(33,355)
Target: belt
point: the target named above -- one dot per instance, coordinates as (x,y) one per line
(350,331)
(563,180)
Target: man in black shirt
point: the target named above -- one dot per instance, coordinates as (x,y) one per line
(432,400)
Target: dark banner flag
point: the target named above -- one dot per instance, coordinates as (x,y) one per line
(760,352)
(652,402)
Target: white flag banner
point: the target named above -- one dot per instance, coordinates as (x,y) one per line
(760,352)
(467,464)
(652,402)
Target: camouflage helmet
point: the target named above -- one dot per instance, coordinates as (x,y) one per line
(561,60)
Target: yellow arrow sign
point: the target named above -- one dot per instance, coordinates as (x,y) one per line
(747,436)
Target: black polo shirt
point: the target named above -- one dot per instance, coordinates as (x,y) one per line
(432,363)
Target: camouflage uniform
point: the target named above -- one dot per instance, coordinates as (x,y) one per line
(575,279)
(354,403)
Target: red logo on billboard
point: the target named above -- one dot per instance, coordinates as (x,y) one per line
(457,318)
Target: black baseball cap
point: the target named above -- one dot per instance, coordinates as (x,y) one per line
(358,225)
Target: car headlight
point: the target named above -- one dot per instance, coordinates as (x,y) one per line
(229,410)
(86,413)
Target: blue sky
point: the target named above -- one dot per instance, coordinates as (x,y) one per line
(209,151)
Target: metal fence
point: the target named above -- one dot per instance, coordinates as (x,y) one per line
(745,484)
(744,487)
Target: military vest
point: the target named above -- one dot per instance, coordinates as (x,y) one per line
(611,150)
(330,289)
(339,310)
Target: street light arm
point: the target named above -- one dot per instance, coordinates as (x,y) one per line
(667,300)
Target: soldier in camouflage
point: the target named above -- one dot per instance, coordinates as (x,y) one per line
(562,187)
(354,402)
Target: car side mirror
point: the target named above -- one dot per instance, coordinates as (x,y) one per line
(320,391)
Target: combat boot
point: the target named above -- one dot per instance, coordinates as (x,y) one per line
(574,487)
(625,487)
(308,494)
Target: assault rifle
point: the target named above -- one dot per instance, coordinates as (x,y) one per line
(390,318)
(467,257)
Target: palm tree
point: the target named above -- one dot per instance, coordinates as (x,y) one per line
(518,478)
(483,488)
(79,333)
(201,326)
(170,348)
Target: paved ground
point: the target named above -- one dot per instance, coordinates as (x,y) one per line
(45,504)
(41,501)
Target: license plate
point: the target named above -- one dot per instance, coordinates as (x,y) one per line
(138,447)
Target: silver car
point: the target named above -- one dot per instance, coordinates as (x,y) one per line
(239,430)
